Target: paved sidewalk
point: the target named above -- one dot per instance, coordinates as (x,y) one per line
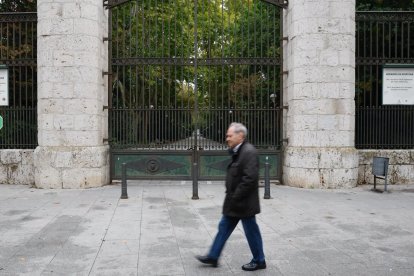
(159,229)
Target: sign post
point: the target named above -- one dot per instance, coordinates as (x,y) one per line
(4,85)
(398,84)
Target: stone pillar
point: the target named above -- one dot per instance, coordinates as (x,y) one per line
(319,92)
(71,94)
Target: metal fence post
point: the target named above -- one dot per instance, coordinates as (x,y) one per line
(267,179)
(195,181)
(124,193)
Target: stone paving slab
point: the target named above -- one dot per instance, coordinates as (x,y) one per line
(159,229)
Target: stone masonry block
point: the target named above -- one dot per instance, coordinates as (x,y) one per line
(4,177)
(27,157)
(91,157)
(44,58)
(329,57)
(10,156)
(86,58)
(342,42)
(83,74)
(88,122)
(63,90)
(300,177)
(92,12)
(63,122)
(303,138)
(362,175)
(398,157)
(62,58)
(339,139)
(51,74)
(87,27)
(51,106)
(87,90)
(344,106)
(55,26)
(296,158)
(346,122)
(21,174)
(71,43)
(71,10)
(49,178)
(63,159)
(83,106)
(82,178)
(304,91)
(327,122)
(49,10)
(82,138)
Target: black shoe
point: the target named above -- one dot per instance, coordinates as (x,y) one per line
(207,260)
(252,266)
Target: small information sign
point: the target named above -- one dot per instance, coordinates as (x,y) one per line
(1,122)
(4,85)
(398,84)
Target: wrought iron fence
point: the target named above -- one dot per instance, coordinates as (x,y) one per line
(382,38)
(18,52)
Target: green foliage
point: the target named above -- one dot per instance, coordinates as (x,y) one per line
(384,5)
(18,6)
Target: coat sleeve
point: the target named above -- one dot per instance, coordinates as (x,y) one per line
(250,174)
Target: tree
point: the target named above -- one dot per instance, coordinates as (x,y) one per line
(385,5)
(17,5)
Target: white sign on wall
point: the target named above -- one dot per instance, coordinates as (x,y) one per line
(4,86)
(398,84)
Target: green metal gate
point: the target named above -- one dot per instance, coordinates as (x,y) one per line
(181,72)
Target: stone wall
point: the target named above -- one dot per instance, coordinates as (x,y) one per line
(72,93)
(319,58)
(400,170)
(16,167)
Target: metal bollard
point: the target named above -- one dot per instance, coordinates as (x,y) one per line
(195,181)
(124,193)
(267,179)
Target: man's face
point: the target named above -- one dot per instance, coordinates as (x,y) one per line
(233,138)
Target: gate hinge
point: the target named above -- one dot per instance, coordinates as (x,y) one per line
(285,72)
(285,38)
(105,107)
(106,140)
(106,39)
(104,73)
(286,140)
(286,107)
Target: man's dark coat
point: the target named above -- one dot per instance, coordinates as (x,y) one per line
(242,183)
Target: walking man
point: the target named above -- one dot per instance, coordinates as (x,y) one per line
(241,201)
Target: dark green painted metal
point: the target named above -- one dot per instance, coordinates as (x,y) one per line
(212,165)
(152,165)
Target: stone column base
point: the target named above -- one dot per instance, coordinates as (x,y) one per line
(71,167)
(331,168)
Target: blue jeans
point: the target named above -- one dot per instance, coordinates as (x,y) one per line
(252,231)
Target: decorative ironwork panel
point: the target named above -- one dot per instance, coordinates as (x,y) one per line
(18,36)
(382,38)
